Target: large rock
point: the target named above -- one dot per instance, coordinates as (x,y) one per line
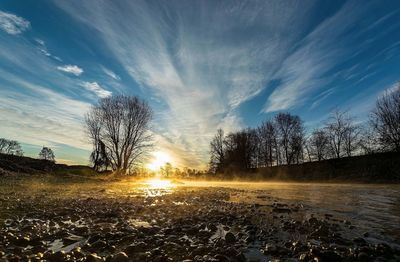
(230,238)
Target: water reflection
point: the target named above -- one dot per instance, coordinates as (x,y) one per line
(370,208)
(159,183)
(157,187)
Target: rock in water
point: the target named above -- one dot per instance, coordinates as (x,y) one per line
(230,238)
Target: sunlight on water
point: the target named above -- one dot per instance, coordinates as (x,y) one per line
(159,183)
(157,187)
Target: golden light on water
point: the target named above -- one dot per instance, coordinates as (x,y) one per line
(159,159)
(159,183)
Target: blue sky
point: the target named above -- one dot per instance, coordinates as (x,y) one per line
(201,65)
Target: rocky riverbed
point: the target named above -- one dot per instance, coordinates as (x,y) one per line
(48,219)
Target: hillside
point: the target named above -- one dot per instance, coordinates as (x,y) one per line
(28,165)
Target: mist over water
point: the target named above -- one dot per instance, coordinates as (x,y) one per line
(368,207)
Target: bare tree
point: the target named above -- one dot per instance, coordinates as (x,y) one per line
(291,136)
(336,128)
(217,152)
(167,170)
(368,143)
(385,119)
(319,144)
(268,142)
(240,149)
(10,147)
(120,123)
(351,138)
(99,156)
(47,154)
(296,142)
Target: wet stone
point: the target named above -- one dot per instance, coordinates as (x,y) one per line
(93,258)
(120,257)
(230,238)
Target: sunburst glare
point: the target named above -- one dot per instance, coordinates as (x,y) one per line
(159,159)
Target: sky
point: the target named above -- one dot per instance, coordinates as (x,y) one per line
(201,65)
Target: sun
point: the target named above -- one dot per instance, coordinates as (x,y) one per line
(159,159)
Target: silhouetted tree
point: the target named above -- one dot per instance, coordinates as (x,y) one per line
(296,143)
(99,157)
(337,128)
(319,144)
(368,143)
(217,152)
(268,143)
(351,138)
(47,154)
(167,170)
(240,149)
(291,135)
(121,123)
(385,119)
(10,147)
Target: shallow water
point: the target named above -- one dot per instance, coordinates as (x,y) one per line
(281,213)
(373,208)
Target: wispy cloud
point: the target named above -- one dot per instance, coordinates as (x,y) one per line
(37,115)
(110,73)
(13,24)
(96,88)
(42,47)
(303,71)
(195,62)
(71,69)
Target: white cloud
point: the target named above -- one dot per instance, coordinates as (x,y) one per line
(72,69)
(40,41)
(57,58)
(96,88)
(111,73)
(43,49)
(13,24)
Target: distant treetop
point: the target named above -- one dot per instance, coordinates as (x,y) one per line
(10,147)
(47,154)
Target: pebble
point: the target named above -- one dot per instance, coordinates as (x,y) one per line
(120,257)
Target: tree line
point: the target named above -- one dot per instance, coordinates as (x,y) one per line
(283,140)
(13,147)
(10,147)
